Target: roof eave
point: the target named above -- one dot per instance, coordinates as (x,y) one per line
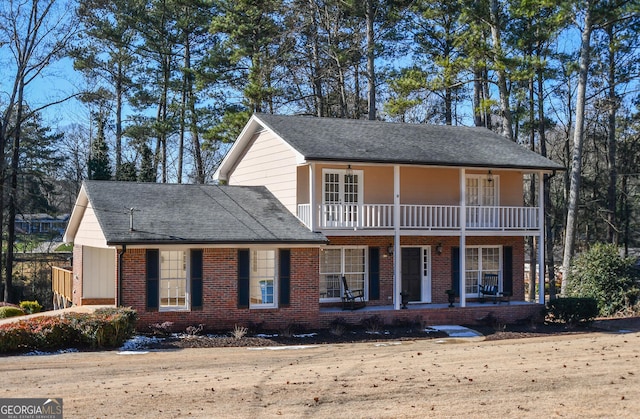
(434,163)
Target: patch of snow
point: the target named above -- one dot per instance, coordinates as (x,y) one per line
(281,348)
(133,352)
(138,343)
(305,335)
(388,344)
(58,352)
(266,336)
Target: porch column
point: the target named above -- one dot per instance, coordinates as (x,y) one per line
(397,265)
(313,211)
(463,237)
(541,260)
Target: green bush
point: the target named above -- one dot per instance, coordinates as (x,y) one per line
(572,310)
(601,273)
(10,311)
(30,307)
(108,328)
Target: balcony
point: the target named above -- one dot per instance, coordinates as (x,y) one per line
(421,217)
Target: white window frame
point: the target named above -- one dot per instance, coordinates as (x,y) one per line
(256,291)
(480,271)
(347,274)
(164,281)
(425,262)
(349,213)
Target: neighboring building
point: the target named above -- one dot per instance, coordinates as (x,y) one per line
(41,224)
(394,208)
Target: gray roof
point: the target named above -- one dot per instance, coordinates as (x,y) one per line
(193,214)
(333,139)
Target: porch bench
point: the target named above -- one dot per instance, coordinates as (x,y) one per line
(490,288)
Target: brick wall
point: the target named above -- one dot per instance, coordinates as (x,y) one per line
(220,286)
(220,294)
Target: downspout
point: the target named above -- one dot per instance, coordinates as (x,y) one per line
(120,269)
(463,238)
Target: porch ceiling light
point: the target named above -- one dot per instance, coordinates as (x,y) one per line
(489,176)
(349,171)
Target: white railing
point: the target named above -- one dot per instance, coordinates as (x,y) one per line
(304,214)
(428,217)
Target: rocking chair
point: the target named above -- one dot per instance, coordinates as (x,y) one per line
(352,299)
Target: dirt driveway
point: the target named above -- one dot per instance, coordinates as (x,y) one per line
(587,375)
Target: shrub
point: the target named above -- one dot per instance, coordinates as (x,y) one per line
(572,310)
(373,324)
(10,311)
(239,332)
(108,328)
(30,307)
(601,273)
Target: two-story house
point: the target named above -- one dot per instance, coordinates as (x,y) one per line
(398,210)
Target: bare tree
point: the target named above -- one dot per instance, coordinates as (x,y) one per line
(36,32)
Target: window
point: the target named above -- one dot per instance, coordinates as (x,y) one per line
(263,277)
(173,280)
(336,262)
(341,196)
(480,261)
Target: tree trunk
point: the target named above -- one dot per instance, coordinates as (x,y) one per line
(13,196)
(371,73)
(507,124)
(578,141)
(612,227)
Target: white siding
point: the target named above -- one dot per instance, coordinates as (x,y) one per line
(89,232)
(99,273)
(270,162)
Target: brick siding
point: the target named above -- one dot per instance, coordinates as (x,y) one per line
(220,288)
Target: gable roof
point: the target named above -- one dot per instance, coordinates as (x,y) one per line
(356,140)
(188,214)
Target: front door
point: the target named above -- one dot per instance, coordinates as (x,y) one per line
(411,272)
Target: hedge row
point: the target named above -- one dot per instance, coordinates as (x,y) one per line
(105,328)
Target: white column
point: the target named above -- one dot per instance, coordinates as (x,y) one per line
(463,237)
(313,210)
(541,244)
(397,266)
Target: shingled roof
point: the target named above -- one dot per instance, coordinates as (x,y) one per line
(191,214)
(333,139)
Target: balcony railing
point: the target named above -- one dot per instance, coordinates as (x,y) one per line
(424,217)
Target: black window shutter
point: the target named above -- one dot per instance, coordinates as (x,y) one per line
(243,278)
(374,273)
(455,270)
(285,277)
(153,279)
(196,279)
(507,270)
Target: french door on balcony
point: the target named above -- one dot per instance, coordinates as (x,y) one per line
(341,197)
(482,200)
